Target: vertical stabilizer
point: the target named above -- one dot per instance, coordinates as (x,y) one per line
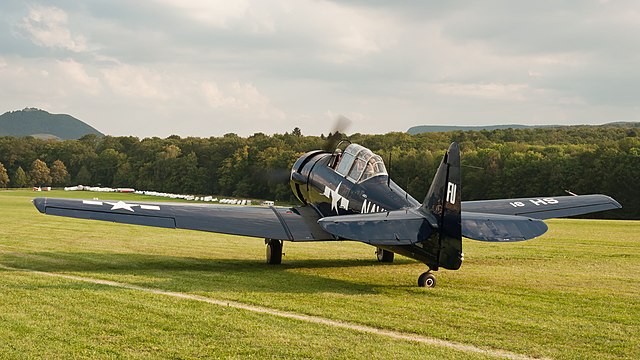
(443,202)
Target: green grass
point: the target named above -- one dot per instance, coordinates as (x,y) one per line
(573,293)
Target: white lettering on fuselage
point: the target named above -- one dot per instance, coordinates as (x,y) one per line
(451,193)
(369,207)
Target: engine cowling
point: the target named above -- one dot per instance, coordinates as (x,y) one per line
(300,174)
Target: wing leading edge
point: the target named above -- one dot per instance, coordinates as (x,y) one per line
(294,224)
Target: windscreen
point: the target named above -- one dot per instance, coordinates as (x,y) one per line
(359,164)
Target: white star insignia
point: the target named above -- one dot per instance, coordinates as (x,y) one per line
(122,205)
(337,200)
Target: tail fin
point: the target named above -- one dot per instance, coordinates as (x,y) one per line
(443,203)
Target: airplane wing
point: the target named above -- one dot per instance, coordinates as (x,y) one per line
(295,224)
(543,208)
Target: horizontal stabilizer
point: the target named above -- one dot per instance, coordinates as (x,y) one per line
(544,207)
(399,227)
(502,228)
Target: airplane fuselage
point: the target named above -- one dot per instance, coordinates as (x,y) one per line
(317,184)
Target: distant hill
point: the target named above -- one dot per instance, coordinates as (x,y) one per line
(41,124)
(444,128)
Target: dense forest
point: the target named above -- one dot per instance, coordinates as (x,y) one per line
(496,164)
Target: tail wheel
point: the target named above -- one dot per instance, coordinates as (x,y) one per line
(427,279)
(384,256)
(274,251)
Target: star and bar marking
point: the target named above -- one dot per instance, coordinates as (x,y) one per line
(337,200)
(121,205)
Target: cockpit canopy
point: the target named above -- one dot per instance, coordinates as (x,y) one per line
(359,164)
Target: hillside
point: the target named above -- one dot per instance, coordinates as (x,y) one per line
(444,128)
(41,124)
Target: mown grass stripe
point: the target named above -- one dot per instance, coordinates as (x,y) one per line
(285,314)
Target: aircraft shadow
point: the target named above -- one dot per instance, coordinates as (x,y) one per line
(188,274)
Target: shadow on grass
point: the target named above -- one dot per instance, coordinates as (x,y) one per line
(188,274)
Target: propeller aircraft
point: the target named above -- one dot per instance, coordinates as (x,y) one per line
(348,195)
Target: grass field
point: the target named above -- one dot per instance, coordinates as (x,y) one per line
(571,294)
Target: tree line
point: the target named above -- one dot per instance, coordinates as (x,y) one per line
(496,164)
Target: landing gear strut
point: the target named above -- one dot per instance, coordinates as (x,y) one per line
(427,279)
(384,256)
(274,251)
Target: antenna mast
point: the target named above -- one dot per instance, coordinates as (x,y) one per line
(389,171)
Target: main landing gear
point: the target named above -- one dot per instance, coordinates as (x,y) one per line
(384,256)
(427,279)
(274,251)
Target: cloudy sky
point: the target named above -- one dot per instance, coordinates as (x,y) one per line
(209,67)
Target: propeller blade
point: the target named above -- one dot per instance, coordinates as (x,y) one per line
(340,126)
(278,176)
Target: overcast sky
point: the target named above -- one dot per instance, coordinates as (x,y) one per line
(208,67)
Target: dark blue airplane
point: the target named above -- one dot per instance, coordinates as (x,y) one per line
(348,195)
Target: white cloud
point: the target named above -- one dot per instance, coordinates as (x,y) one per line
(534,74)
(218,13)
(346,35)
(253,17)
(496,91)
(562,59)
(353,44)
(77,73)
(214,97)
(242,97)
(137,82)
(47,26)
(317,30)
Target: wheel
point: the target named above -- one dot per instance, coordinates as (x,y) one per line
(427,280)
(384,256)
(274,251)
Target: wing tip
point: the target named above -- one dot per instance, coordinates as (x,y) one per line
(615,203)
(612,201)
(40,204)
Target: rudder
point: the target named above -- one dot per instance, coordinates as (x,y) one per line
(443,203)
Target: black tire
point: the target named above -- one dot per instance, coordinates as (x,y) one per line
(274,251)
(384,256)
(427,279)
